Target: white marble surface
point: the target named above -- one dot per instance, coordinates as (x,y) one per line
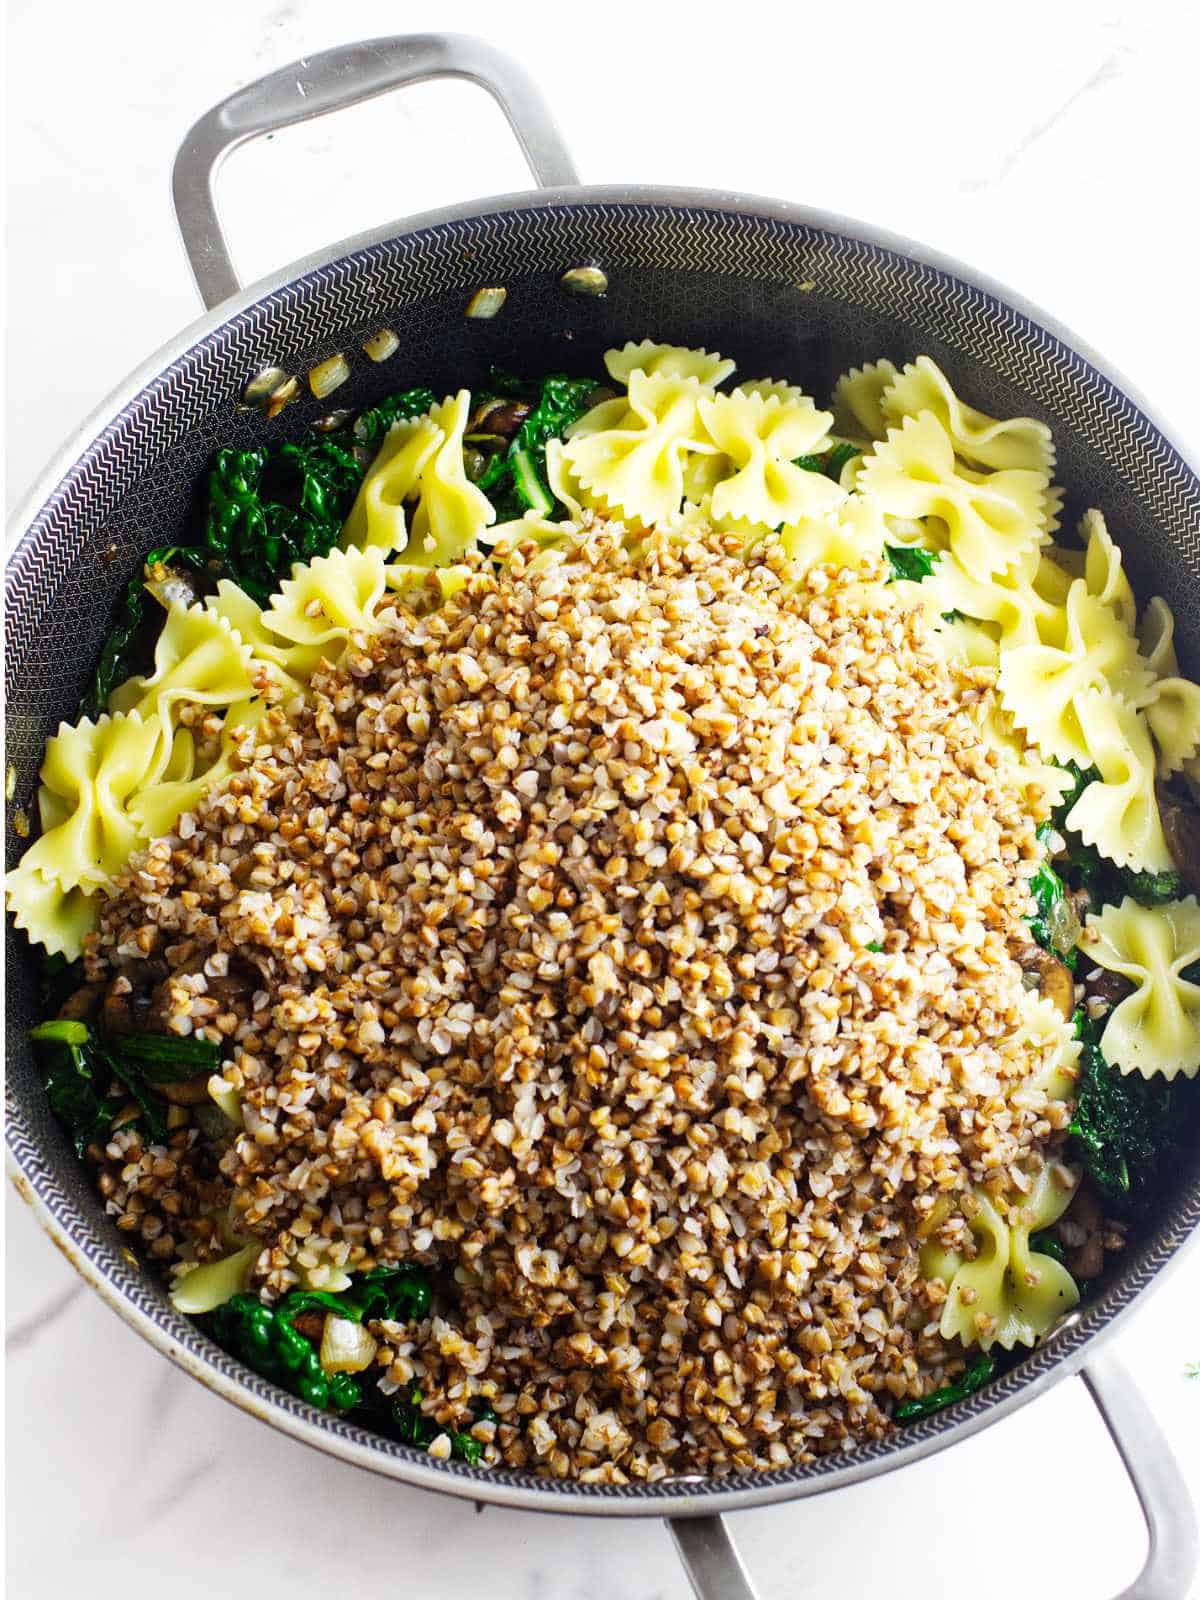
(1044,143)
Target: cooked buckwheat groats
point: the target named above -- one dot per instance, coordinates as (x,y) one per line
(632,941)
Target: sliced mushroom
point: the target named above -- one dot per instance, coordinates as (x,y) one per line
(191,1092)
(1111,987)
(1181,830)
(227,988)
(1054,980)
(1085,1215)
(311,1324)
(498,418)
(1086,1260)
(81,1005)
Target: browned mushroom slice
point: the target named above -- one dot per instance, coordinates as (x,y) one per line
(1084,1221)
(1054,979)
(1181,830)
(191,1092)
(82,1005)
(311,1324)
(1111,987)
(498,419)
(226,989)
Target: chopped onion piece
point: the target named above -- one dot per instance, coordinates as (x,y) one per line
(1062,922)
(381,345)
(226,1097)
(328,376)
(485,303)
(346,1346)
(170,587)
(207,1287)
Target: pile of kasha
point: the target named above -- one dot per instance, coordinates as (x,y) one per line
(630,939)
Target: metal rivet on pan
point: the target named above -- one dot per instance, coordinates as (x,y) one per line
(10,781)
(585,280)
(485,303)
(328,375)
(270,391)
(381,345)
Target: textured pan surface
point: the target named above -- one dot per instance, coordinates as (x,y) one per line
(784,294)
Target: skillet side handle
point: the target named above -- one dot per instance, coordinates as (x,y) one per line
(710,1560)
(331,81)
(1161,1488)
(716,1572)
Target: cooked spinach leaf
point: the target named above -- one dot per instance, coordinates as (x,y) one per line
(265,1338)
(981,1370)
(1049,892)
(266,510)
(79,1064)
(1047,1243)
(832,462)
(910,561)
(514,479)
(76,1098)
(1127,1130)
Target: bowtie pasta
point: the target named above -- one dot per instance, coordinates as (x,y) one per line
(601,513)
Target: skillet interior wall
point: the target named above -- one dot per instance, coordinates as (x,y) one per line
(135,488)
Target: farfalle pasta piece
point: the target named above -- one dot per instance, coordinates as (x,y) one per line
(994,520)
(1173,715)
(1156,638)
(628,455)
(959,639)
(1048,1034)
(424,589)
(90,772)
(1156,1029)
(158,806)
(1045,783)
(451,512)
(377,517)
(47,914)
(772,389)
(1055,571)
(857,411)
(1018,613)
(330,598)
(1041,685)
(1103,570)
(562,482)
(1173,707)
(198,659)
(289,665)
(1118,812)
(1008,1294)
(850,535)
(1020,442)
(701,475)
(673,360)
(760,438)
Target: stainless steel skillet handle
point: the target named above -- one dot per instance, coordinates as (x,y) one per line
(716,1571)
(331,81)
